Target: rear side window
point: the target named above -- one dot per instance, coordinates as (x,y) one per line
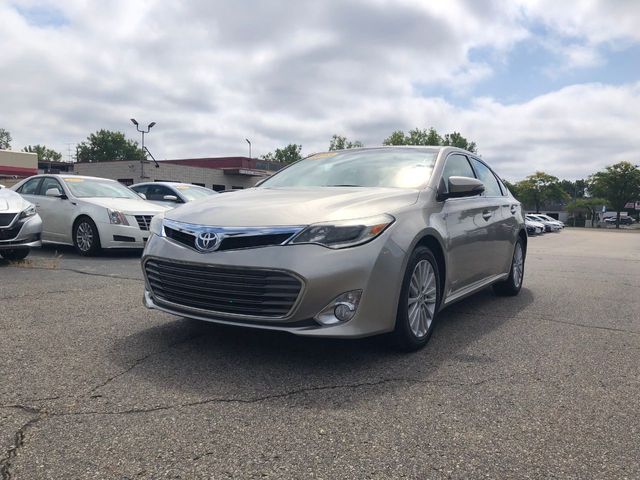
(30,187)
(486,176)
(456,166)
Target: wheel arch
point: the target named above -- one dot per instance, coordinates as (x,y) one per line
(433,243)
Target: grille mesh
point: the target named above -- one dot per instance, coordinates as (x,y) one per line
(144,221)
(240,291)
(6,219)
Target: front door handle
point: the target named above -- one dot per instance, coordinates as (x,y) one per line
(487,214)
(514,209)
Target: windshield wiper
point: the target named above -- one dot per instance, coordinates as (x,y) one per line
(343,185)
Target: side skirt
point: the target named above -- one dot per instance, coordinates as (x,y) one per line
(473,288)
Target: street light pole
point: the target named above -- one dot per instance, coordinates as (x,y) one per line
(142,131)
(247,140)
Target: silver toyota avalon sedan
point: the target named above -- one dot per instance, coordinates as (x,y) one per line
(347,243)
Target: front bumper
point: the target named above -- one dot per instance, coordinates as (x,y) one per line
(28,234)
(376,268)
(122,236)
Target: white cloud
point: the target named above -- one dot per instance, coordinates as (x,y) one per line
(212,73)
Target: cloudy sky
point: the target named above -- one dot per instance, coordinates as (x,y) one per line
(538,85)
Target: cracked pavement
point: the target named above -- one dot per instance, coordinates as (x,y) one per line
(543,385)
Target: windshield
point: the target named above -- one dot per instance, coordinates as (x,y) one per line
(395,168)
(94,187)
(194,193)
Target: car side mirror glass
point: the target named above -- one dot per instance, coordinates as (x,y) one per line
(170,198)
(54,192)
(464,187)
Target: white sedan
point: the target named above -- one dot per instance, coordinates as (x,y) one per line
(89,213)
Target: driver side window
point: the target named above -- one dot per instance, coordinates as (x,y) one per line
(457,166)
(50,183)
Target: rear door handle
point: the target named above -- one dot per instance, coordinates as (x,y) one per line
(487,214)
(514,209)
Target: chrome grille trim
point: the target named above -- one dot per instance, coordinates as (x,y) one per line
(144,221)
(224,291)
(282,234)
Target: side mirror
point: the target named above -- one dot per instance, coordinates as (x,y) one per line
(170,198)
(260,182)
(142,195)
(54,192)
(462,187)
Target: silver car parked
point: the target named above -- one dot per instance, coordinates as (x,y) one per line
(20,226)
(342,244)
(171,194)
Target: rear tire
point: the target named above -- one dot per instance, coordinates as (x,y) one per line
(419,301)
(15,254)
(512,285)
(85,237)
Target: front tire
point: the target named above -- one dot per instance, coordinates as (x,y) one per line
(512,285)
(85,237)
(419,301)
(15,254)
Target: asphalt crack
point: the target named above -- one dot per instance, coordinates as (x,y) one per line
(138,362)
(18,442)
(547,319)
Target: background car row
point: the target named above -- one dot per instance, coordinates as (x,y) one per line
(89,213)
(538,223)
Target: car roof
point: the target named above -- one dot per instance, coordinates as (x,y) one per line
(67,175)
(168,184)
(430,148)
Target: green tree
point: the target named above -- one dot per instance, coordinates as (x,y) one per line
(338,142)
(588,205)
(539,188)
(618,184)
(5,139)
(288,154)
(44,154)
(574,189)
(512,187)
(429,136)
(455,139)
(107,146)
(396,138)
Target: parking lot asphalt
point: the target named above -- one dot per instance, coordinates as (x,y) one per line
(543,385)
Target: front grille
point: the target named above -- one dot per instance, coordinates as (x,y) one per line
(216,289)
(232,242)
(9,233)
(6,219)
(144,221)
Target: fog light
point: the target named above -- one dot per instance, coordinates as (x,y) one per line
(341,309)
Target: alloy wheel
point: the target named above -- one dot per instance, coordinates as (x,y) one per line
(84,236)
(422,298)
(518,265)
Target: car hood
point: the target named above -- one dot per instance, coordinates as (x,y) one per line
(11,202)
(292,206)
(126,205)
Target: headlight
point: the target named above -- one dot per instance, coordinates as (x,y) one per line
(156,225)
(346,233)
(30,211)
(117,218)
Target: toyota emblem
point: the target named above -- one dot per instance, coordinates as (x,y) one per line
(207,241)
